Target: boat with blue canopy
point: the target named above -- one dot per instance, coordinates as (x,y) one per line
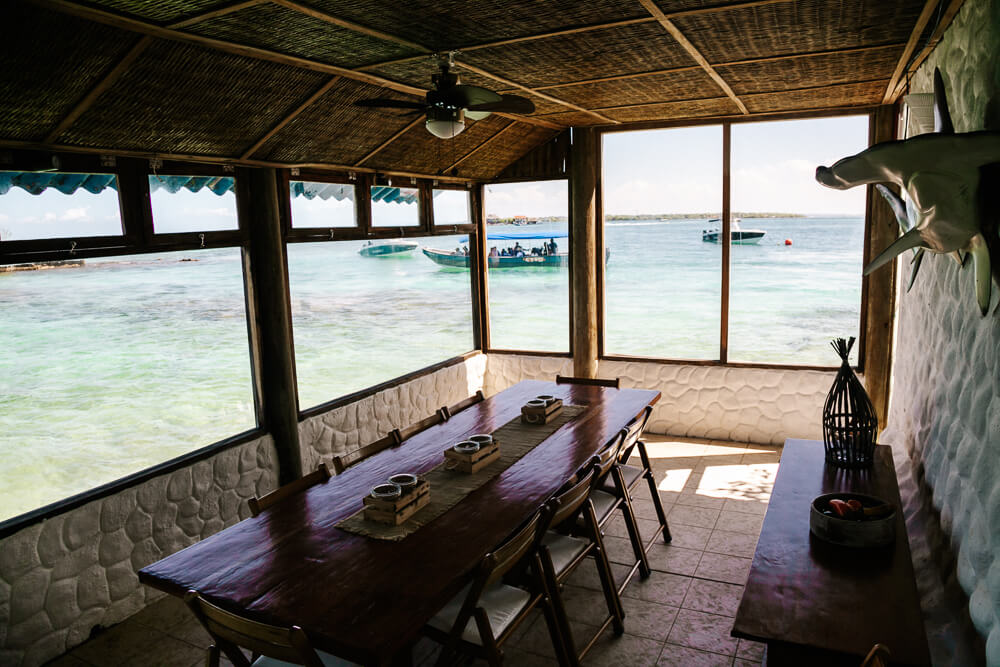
(516,256)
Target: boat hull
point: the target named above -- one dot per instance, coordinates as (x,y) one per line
(744,237)
(390,248)
(445,258)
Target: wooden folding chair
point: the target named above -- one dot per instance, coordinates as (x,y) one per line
(633,475)
(561,554)
(317,476)
(879,656)
(447,412)
(593,382)
(483,615)
(272,643)
(345,461)
(417,427)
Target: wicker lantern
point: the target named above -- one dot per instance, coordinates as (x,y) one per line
(849,422)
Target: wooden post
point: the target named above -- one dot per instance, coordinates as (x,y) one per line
(479,267)
(726,238)
(878,290)
(583,251)
(258,204)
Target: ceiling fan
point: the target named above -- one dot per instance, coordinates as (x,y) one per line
(450,102)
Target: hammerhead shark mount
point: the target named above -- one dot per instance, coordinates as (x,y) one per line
(940,173)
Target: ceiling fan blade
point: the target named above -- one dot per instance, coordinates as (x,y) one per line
(465,96)
(506,104)
(390,103)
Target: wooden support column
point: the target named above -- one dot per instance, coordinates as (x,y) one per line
(259,207)
(480,285)
(878,290)
(583,170)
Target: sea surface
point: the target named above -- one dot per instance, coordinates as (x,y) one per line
(127,362)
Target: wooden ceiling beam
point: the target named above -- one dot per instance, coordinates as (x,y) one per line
(544,96)
(693,51)
(290,117)
(397,135)
(531,120)
(949,14)
(478,148)
(354,27)
(911,45)
(219,11)
(106,82)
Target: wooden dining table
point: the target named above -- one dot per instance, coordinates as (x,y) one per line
(365,599)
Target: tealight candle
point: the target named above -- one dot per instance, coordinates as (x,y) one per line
(467,447)
(387,491)
(482,439)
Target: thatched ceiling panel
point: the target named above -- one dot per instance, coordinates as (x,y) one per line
(636,48)
(856,94)
(542,106)
(719,106)
(287,31)
(569,118)
(689,84)
(333,130)
(170,101)
(506,148)
(162,11)
(418,150)
(419,72)
(811,72)
(37,89)
(446,24)
(798,27)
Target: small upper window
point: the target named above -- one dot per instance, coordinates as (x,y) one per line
(55,205)
(322,205)
(451,207)
(193,203)
(395,207)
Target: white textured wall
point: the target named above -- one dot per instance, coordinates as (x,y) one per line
(747,404)
(355,425)
(61,577)
(945,411)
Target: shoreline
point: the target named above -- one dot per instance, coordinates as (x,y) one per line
(41,266)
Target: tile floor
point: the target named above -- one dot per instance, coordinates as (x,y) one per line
(715,495)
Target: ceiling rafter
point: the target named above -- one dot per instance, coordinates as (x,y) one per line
(378,149)
(323,90)
(949,14)
(219,11)
(478,148)
(517,86)
(106,82)
(349,25)
(693,51)
(911,45)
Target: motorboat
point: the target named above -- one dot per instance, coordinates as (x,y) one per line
(385,248)
(737,235)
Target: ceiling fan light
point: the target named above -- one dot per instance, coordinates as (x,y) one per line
(477,115)
(445,128)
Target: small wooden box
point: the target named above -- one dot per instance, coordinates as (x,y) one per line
(475,461)
(398,510)
(532,415)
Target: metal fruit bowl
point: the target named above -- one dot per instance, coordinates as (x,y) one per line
(862,532)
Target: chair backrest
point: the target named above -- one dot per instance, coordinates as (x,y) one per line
(231,631)
(448,411)
(632,432)
(317,476)
(594,382)
(422,425)
(500,561)
(606,459)
(565,504)
(345,461)
(879,656)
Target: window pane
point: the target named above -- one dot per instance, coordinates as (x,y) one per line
(58,205)
(322,204)
(359,320)
(451,207)
(395,207)
(528,283)
(192,203)
(116,366)
(788,301)
(663,285)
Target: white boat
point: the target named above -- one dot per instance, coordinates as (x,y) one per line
(393,247)
(737,235)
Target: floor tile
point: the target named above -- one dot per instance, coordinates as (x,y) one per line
(739,522)
(191,632)
(714,597)
(689,537)
(669,558)
(720,567)
(749,650)
(747,505)
(671,480)
(692,516)
(67,660)
(538,641)
(585,575)
(514,656)
(648,619)
(707,632)
(164,614)
(585,605)
(644,509)
(682,656)
(720,460)
(619,549)
(119,644)
(659,587)
(745,663)
(699,499)
(732,544)
(611,651)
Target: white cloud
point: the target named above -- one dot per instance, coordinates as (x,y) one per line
(219,212)
(74,214)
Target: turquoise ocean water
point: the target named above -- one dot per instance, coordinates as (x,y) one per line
(128,362)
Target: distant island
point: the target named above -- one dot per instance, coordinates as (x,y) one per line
(681,216)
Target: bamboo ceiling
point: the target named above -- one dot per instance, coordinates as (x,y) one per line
(274,81)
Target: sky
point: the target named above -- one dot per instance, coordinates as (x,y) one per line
(645,172)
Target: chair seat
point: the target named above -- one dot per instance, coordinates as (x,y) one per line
(328,661)
(563,549)
(604,504)
(502,604)
(630,474)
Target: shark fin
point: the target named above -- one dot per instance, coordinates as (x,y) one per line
(981,267)
(897,204)
(918,257)
(910,239)
(942,117)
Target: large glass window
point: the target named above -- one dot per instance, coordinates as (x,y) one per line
(366,312)
(322,205)
(395,206)
(451,207)
(58,205)
(798,286)
(114,366)
(528,244)
(192,203)
(663,281)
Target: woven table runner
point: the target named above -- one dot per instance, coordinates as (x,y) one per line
(449,487)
